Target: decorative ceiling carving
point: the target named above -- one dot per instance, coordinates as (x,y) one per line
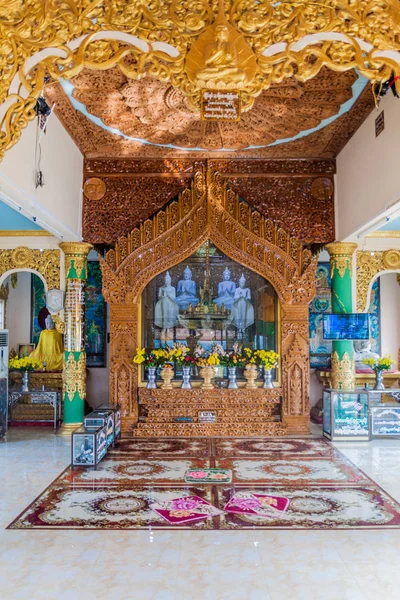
(177,41)
(159,114)
(296,194)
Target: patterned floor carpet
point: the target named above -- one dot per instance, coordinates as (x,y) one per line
(319,487)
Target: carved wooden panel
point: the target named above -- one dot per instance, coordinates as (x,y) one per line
(209,215)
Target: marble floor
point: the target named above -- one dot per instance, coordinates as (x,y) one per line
(183,565)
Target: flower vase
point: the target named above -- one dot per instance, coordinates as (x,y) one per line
(25,381)
(151,374)
(167,375)
(379,385)
(232,385)
(207,373)
(186,385)
(250,374)
(268,378)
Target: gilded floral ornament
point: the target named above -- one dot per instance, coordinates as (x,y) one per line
(341,254)
(46,262)
(343,372)
(368,267)
(57,39)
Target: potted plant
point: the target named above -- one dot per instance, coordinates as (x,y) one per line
(269,360)
(151,358)
(25,365)
(379,365)
(250,371)
(181,355)
(232,359)
(207,366)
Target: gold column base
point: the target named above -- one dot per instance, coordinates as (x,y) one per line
(343,375)
(67,428)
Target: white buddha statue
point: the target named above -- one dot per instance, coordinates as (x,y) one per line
(166,310)
(186,290)
(242,312)
(226,290)
(362,350)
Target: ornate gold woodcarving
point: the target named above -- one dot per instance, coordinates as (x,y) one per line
(238,412)
(74,375)
(281,36)
(143,109)
(94,188)
(368,267)
(209,215)
(142,187)
(45,262)
(391,259)
(341,254)
(123,373)
(343,372)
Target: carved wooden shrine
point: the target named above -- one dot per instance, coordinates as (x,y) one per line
(210,211)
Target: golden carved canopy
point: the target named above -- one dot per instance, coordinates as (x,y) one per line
(57,39)
(210,210)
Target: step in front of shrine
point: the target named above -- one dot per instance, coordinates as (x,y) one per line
(177,412)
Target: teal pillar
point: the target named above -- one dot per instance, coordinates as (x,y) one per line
(341,261)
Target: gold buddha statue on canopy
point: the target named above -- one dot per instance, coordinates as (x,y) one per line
(221,64)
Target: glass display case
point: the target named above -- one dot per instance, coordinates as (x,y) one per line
(116,413)
(362,414)
(88,446)
(102,418)
(345,415)
(384,413)
(209,298)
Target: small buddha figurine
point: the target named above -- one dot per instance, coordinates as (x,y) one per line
(166,310)
(186,291)
(50,348)
(221,60)
(242,312)
(226,290)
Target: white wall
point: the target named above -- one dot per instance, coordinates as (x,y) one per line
(18,311)
(57,205)
(390,315)
(367,179)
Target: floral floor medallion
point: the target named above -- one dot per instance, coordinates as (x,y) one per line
(168,483)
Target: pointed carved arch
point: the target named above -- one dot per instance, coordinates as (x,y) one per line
(210,211)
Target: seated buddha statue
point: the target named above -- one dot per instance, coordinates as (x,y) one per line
(186,291)
(226,290)
(50,348)
(221,61)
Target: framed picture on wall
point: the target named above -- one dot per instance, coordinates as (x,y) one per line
(24,350)
(95,318)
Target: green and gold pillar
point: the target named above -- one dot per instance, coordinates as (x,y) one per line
(74,367)
(341,259)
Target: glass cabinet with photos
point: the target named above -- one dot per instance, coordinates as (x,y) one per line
(362,414)
(345,415)
(88,446)
(209,298)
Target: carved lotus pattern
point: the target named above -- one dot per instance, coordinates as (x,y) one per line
(156,112)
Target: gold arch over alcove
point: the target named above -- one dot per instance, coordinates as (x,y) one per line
(210,211)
